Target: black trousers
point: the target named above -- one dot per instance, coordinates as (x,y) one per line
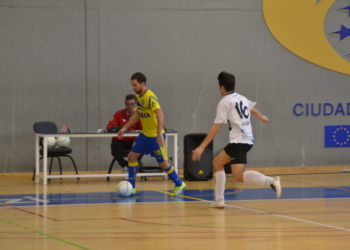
(117,148)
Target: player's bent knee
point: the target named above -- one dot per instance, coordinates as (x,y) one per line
(132,158)
(164,164)
(238,177)
(218,168)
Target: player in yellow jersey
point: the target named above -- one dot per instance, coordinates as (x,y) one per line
(151,139)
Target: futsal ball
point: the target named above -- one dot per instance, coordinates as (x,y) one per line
(51,142)
(62,141)
(124,188)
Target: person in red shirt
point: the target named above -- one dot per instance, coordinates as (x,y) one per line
(120,118)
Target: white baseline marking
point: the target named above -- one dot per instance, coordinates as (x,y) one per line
(287,217)
(35,199)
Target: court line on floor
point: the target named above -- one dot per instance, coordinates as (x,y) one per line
(267,213)
(288,217)
(58,239)
(315,185)
(26,211)
(46,235)
(164,192)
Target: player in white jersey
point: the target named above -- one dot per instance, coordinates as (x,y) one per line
(235,110)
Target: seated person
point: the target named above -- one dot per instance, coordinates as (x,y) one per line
(120,118)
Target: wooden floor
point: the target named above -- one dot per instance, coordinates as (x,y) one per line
(289,224)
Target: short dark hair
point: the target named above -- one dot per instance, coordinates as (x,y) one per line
(130,97)
(139,77)
(227,80)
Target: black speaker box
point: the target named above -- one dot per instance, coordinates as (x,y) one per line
(197,170)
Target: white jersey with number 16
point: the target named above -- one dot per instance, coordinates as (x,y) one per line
(234,109)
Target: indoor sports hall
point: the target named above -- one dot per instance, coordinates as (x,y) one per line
(65,72)
(88,214)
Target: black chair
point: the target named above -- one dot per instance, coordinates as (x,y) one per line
(51,128)
(125,154)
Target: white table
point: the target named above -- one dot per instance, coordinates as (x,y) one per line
(45,176)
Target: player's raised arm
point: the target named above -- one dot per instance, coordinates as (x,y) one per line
(135,117)
(257,113)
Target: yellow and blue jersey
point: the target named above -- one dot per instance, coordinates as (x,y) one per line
(146,105)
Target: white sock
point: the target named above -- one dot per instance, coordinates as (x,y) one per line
(220,177)
(254,177)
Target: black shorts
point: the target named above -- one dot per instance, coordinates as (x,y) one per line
(238,152)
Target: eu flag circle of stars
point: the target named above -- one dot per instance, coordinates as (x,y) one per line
(344,32)
(343,134)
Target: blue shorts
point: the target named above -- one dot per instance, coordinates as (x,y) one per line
(148,145)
